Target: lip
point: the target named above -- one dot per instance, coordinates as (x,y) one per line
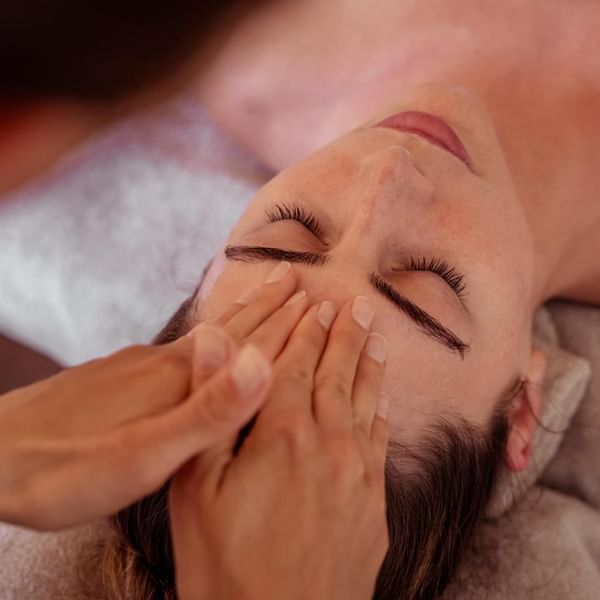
(431,128)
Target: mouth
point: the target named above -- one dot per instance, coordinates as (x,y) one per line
(431,128)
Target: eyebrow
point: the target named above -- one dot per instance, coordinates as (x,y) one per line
(426,322)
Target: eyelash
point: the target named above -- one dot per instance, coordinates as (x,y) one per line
(295,212)
(441,268)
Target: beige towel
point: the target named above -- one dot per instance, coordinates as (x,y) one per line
(541,539)
(545,545)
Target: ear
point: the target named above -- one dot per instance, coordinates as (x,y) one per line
(525,414)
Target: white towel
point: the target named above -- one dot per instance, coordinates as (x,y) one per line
(98,253)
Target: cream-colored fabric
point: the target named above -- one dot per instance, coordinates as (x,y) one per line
(540,541)
(546,548)
(547,545)
(567,378)
(48,566)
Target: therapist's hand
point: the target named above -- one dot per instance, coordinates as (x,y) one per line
(97,437)
(299,512)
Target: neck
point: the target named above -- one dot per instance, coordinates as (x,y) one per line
(551,137)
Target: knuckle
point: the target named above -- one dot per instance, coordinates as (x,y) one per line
(171,365)
(234,330)
(345,457)
(310,335)
(296,372)
(291,430)
(215,409)
(333,383)
(370,372)
(362,424)
(350,333)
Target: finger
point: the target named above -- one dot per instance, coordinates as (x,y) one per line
(380,433)
(293,374)
(368,380)
(335,376)
(155,378)
(153,449)
(255,305)
(136,382)
(271,336)
(212,348)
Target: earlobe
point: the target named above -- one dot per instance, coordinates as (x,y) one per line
(525,414)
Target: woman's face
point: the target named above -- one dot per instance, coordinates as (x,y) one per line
(369,215)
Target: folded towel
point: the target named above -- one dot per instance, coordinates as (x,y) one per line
(544,542)
(98,253)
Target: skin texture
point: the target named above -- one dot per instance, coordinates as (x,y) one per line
(381,197)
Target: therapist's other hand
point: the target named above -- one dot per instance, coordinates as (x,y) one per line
(97,437)
(299,511)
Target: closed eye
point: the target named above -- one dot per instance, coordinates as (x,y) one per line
(441,268)
(295,212)
(430,325)
(449,274)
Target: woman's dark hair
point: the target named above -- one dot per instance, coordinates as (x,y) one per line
(435,497)
(99,50)
(436,492)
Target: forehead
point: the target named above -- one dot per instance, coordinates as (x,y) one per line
(481,215)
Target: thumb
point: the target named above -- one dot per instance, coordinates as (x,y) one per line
(211,416)
(212,347)
(230,398)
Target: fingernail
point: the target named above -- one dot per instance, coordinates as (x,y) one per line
(250,371)
(248,296)
(297,297)
(326,314)
(278,273)
(383,405)
(376,347)
(210,348)
(363,312)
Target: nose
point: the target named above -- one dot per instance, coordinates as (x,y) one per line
(389,182)
(392,169)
